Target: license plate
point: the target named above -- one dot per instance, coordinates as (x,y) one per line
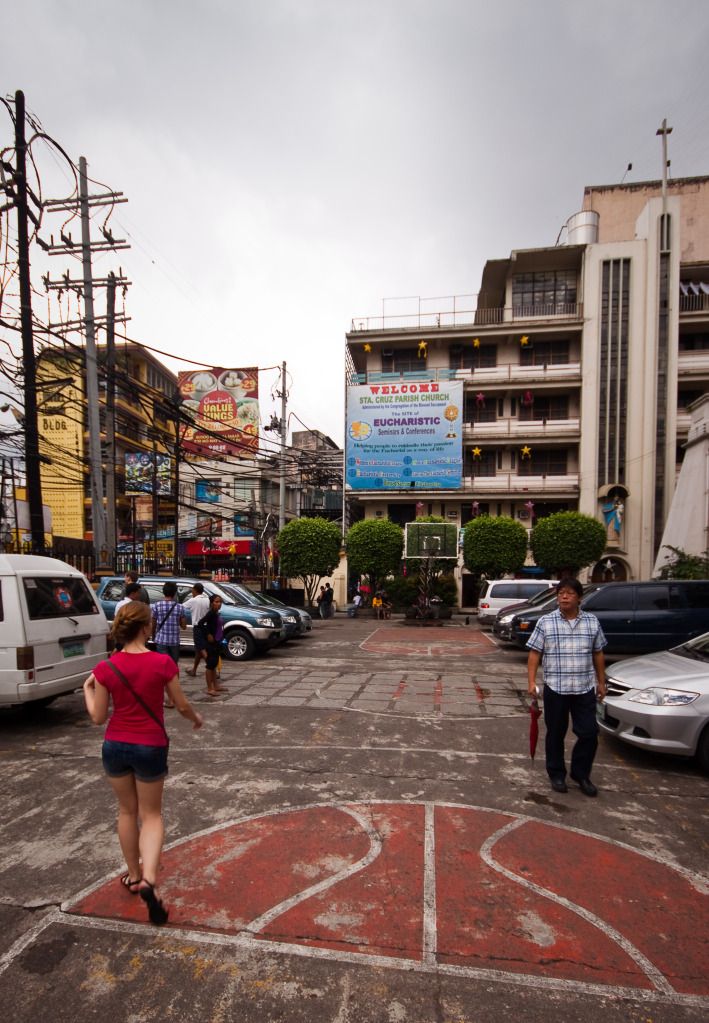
(73,649)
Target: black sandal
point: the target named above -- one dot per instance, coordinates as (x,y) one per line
(156,911)
(130,885)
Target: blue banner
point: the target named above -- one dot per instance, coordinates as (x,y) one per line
(405,435)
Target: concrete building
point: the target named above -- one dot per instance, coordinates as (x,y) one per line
(578,363)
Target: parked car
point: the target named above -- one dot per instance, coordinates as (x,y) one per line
(660,702)
(637,618)
(246,597)
(497,594)
(52,629)
(247,630)
(502,625)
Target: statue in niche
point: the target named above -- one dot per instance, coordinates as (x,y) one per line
(613,512)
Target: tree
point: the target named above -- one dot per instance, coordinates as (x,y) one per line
(309,549)
(683,565)
(494,546)
(374,548)
(566,542)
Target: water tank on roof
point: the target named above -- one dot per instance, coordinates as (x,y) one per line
(582,228)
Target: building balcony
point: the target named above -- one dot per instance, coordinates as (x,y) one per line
(502,375)
(684,420)
(463,311)
(514,485)
(694,307)
(529,429)
(693,364)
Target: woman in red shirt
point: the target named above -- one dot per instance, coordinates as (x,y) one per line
(135,744)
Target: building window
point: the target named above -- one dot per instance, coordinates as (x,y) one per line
(613,389)
(545,407)
(545,353)
(694,343)
(484,465)
(402,360)
(468,357)
(479,412)
(545,462)
(543,293)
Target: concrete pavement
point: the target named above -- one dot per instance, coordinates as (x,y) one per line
(358,833)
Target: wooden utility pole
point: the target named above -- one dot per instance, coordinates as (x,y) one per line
(111,419)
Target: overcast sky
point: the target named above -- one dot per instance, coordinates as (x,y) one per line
(290,163)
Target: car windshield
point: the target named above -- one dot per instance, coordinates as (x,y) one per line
(241,595)
(697,649)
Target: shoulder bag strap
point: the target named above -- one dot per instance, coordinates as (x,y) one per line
(139,699)
(167,615)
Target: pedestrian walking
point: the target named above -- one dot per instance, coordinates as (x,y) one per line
(167,622)
(197,605)
(569,643)
(132,576)
(128,691)
(214,632)
(327,609)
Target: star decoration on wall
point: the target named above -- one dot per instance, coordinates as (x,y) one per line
(476,342)
(524,340)
(526,451)
(477,452)
(423,346)
(367,348)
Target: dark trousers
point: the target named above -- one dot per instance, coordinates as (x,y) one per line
(582,708)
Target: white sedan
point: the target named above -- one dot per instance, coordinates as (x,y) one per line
(660,701)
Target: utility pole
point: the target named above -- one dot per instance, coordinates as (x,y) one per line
(34,480)
(98,513)
(83,205)
(284,436)
(111,419)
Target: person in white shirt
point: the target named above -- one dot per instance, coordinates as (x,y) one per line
(133,592)
(197,605)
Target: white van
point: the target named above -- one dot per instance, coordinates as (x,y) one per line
(499,593)
(52,629)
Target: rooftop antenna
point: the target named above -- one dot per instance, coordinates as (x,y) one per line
(664,131)
(627,171)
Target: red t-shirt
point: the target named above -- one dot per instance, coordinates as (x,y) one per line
(148,674)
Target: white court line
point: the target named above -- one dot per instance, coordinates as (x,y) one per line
(250,943)
(375,848)
(656,978)
(430,925)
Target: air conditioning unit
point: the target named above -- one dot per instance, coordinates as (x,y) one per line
(387,353)
(523,513)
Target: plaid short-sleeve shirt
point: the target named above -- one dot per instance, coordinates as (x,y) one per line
(166,615)
(567,646)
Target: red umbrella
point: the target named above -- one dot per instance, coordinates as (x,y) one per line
(534,715)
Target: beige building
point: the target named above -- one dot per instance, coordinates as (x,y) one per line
(578,363)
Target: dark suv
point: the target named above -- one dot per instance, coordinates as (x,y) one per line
(637,618)
(247,630)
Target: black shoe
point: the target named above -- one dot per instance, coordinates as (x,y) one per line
(559,785)
(586,786)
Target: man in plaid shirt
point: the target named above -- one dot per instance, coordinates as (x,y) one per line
(571,643)
(167,619)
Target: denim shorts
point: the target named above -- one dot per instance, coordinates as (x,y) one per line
(147,763)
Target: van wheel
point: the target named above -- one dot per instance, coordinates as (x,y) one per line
(37,706)
(239,645)
(703,750)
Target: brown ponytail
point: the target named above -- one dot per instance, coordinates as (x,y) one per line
(130,619)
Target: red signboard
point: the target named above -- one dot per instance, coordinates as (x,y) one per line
(228,548)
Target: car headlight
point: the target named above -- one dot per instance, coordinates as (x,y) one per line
(289,618)
(267,623)
(657,697)
(505,619)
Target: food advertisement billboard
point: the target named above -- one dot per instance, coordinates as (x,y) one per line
(405,435)
(220,411)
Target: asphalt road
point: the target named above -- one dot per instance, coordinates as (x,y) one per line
(357,834)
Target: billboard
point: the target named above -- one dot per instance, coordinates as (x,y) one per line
(405,435)
(221,411)
(144,469)
(208,491)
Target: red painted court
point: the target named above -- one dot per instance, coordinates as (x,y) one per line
(443,886)
(428,641)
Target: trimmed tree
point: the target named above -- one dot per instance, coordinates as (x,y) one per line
(682,565)
(494,546)
(374,548)
(309,549)
(566,542)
